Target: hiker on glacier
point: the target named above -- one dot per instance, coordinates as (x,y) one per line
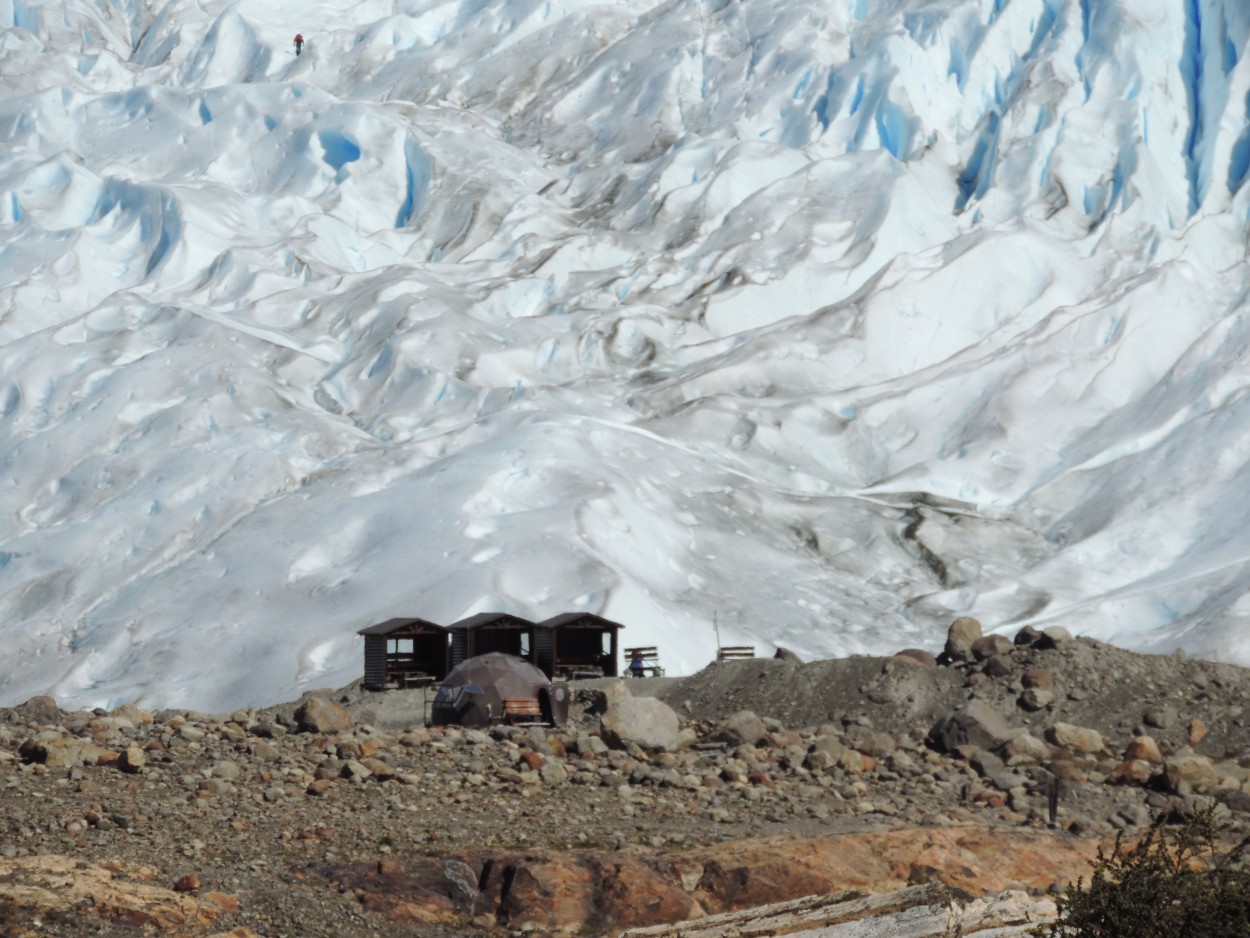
(299,43)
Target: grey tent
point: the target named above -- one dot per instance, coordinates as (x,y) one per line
(474,691)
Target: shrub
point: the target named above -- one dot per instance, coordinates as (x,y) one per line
(1175,882)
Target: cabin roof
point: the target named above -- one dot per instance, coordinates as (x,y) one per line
(588,619)
(395,625)
(482,619)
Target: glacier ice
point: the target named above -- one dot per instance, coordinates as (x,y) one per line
(832,321)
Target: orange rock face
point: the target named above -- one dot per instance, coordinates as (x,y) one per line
(591,892)
(55,886)
(978,861)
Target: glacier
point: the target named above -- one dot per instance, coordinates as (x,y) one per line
(786,323)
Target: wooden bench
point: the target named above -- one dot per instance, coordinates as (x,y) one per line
(650,657)
(735,652)
(578,672)
(407,679)
(522,710)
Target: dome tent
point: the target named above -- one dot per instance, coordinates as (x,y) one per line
(474,691)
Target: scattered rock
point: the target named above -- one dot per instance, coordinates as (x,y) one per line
(1144,749)
(1038,677)
(1036,698)
(1161,718)
(133,759)
(763,749)
(1196,732)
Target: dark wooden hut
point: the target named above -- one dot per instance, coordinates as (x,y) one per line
(492,631)
(578,644)
(406,653)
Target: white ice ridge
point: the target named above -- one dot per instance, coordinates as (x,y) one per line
(833,320)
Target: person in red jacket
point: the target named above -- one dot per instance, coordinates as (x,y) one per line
(299,43)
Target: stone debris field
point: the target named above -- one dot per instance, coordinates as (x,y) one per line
(999,764)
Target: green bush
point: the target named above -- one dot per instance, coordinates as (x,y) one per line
(1176,882)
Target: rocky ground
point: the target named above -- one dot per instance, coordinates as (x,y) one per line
(996,764)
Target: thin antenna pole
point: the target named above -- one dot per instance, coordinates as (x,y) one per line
(716,629)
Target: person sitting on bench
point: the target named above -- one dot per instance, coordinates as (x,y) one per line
(635,664)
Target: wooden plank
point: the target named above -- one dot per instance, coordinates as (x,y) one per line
(931,911)
(514,707)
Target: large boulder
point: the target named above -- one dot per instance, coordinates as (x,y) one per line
(744,727)
(61,752)
(1023,748)
(959,638)
(318,715)
(987,646)
(1145,749)
(977,724)
(1186,773)
(1056,636)
(1027,636)
(41,710)
(1075,738)
(603,699)
(643,721)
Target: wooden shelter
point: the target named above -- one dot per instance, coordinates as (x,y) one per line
(492,631)
(406,653)
(578,644)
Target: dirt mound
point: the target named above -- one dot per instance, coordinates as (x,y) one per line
(894,695)
(1120,693)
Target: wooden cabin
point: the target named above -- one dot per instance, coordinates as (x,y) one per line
(578,644)
(492,631)
(406,653)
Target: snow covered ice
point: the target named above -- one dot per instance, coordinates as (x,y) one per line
(836,320)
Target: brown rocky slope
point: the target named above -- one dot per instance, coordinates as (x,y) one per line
(1002,765)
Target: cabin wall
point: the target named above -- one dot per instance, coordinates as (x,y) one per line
(375,662)
(545,651)
(459,646)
